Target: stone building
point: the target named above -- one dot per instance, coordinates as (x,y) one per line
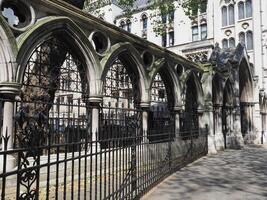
(223,23)
(85,104)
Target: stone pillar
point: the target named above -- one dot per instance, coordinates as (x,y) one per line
(236,139)
(8,92)
(218,132)
(95,109)
(177,113)
(145,111)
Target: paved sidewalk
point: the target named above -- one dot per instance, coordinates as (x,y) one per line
(229,175)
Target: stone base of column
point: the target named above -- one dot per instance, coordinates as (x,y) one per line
(253,138)
(219,142)
(11,163)
(211,145)
(235,141)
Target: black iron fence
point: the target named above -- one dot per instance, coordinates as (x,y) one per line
(121,163)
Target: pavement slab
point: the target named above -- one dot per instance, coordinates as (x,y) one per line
(228,175)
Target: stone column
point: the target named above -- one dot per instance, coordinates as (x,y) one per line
(237,141)
(145,110)
(95,109)
(8,92)
(177,113)
(218,133)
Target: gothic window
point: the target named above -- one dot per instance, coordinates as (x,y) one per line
(204,34)
(164,19)
(224,16)
(203,6)
(144,21)
(241,10)
(242,38)
(249,37)
(164,39)
(232,42)
(246,39)
(248,8)
(122,24)
(231,9)
(129,25)
(195,33)
(171,16)
(171,38)
(244,9)
(225,43)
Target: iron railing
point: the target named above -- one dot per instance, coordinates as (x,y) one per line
(121,163)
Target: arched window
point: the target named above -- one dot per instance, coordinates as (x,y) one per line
(224,16)
(225,43)
(231,14)
(144,21)
(129,25)
(241,10)
(204,31)
(249,37)
(194,33)
(248,8)
(232,42)
(122,25)
(242,39)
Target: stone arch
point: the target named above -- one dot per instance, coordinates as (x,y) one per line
(192,77)
(171,81)
(227,110)
(44,30)
(245,82)
(131,58)
(8,52)
(246,97)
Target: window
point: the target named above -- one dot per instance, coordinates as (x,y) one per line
(171,38)
(249,40)
(144,21)
(204,34)
(164,19)
(242,38)
(164,39)
(122,25)
(195,33)
(224,16)
(244,9)
(171,17)
(203,6)
(232,42)
(225,43)
(128,25)
(231,14)
(248,8)
(241,10)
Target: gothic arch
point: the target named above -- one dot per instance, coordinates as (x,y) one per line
(8,52)
(71,33)
(192,77)
(171,81)
(245,81)
(228,94)
(131,58)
